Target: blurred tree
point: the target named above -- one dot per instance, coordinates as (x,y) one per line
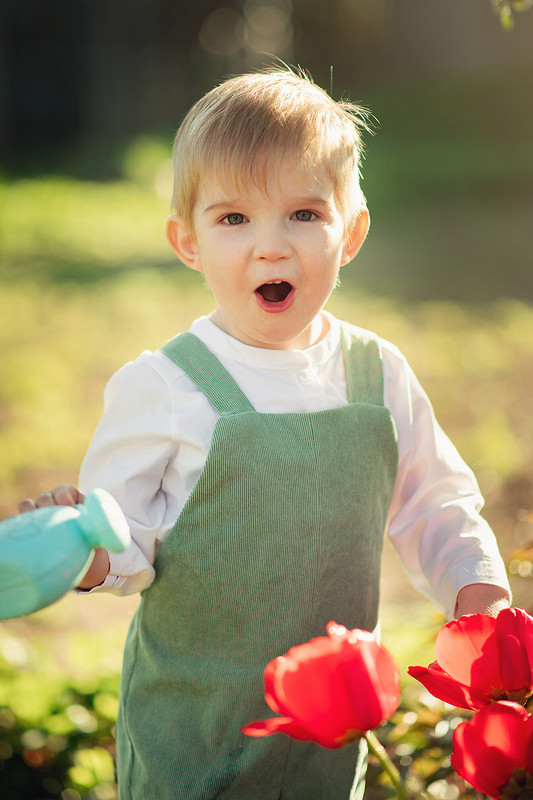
(44,74)
(72,71)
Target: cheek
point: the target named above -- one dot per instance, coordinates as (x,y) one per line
(322,243)
(334,249)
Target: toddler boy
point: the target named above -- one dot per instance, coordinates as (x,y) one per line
(261,456)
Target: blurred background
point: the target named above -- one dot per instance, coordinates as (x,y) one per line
(91,94)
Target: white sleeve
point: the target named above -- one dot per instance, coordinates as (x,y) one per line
(128,457)
(434,518)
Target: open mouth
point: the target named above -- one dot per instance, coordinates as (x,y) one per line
(274,291)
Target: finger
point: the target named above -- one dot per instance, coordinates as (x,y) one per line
(26,505)
(65,495)
(45,500)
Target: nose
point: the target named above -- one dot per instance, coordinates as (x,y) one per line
(271,242)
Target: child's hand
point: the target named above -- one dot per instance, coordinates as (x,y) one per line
(65,495)
(481,598)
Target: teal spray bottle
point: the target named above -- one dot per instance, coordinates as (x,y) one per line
(44,553)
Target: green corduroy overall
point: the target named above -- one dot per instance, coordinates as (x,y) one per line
(282,533)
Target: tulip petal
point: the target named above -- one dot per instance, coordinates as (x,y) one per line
(266,727)
(269,677)
(514,635)
(488,748)
(290,727)
(304,685)
(334,629)
(467,650)
(529,756)
(372,684)
(446,688)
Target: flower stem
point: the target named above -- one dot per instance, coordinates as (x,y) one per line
(377,749)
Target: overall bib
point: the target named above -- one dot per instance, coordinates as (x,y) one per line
(282,533)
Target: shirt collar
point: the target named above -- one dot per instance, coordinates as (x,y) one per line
(227,347)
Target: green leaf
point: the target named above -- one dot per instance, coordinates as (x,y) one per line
(506,18)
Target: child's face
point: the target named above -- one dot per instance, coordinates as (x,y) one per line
(270,255)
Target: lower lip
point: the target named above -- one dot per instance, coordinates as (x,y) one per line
(275,308)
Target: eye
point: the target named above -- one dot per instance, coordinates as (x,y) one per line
(234,219)
(304,215)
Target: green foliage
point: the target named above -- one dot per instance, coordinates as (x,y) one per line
(506,9)
(419,741)
(449,181)
(55,228)
(57,709)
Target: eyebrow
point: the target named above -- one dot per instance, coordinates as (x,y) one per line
(301,202)
(220,205)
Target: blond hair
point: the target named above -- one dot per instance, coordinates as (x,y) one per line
(240,126)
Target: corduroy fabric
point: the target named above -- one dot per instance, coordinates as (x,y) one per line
(282,533)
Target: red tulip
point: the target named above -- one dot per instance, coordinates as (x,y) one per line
(493,751)
(330,690)
(481,659)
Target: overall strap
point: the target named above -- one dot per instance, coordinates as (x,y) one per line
(206,371)
(363,367)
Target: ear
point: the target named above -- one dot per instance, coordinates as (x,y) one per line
(183,242)
(356,237)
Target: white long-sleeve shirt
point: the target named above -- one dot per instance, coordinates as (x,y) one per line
(153,439)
